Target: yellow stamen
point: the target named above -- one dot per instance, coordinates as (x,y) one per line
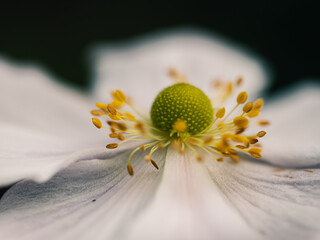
(96,122)
(242,97)
(101,105)
(112,109)
(220,113)
(121,137)
(261,134)
(130,170)
(112,145)
(258,103)
(119,96)
(253,113)
(239,81)
(130,116)
(248,107)
(113,135)
(263,122)
(97,113)
(117,104)
(241,122)
(114,117)
(255,152)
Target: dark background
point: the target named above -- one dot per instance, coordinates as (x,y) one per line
(58,35)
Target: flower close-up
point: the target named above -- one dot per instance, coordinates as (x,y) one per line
(176,140)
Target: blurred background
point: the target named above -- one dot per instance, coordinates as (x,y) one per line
(58,36)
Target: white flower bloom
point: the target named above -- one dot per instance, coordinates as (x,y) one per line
(45,127)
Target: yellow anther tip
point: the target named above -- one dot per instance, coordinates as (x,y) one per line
(130,170)
(242,97)
(253,113)
(119,96)
(241,122)
(96,122)
(258,103)
(248,107)
(261,134)
(114,117)
(112,145)
(130,116)
(112,109)
(101,105)
(220,113)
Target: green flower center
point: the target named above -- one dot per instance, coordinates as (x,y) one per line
(182,102)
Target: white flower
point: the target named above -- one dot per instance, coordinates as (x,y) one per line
(45,127)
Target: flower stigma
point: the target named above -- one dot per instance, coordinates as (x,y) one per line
(183,117)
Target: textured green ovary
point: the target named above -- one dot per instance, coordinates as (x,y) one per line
(182,101)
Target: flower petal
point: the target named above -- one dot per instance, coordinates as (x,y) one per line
(140,67)
(27,154)
(189,205)
(41,125)
(88,200)
(293,138)
(30,99)
(276,203)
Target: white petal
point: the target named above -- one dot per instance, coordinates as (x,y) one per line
(30,99)
(140,67)
(189,205)
(41,125)
(293,138)
(88,200)
(276,204)
(26,154)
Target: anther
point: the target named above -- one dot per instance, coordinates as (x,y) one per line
(220,159)
(154,164)
(97,113)
(239,81)
(253,113)
(116,103)
(261,134)
(241,122)
(241,146)
(130,169)
(96,122)
(101,105)
(130,116)
(114,117)
(119,96)
(113,135)
(255,152)
(112,109)
(258,103)
(121,137)
(235,158)
(112,145)
(253,141)
(242,97)
(220,113)
(263,122)
(240,130)
(248,107)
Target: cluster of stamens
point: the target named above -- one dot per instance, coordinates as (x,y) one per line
(219,134)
